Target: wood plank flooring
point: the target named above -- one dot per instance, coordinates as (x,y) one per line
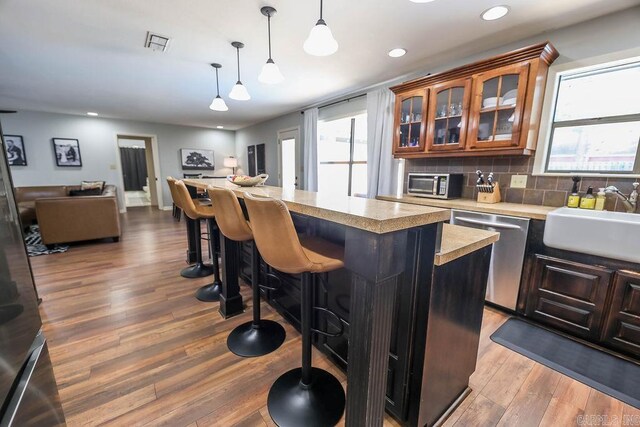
(131,346)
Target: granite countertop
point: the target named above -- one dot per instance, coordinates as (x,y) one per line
(376,216)
(501,208)
(458,241)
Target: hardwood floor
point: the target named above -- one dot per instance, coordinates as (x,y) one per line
(131,345)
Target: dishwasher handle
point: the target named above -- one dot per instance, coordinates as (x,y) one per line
(502,225)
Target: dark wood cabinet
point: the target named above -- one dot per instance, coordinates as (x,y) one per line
(569,296)
(491,107)
(622,327)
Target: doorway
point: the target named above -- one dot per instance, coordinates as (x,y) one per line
(288,157)
(138,161)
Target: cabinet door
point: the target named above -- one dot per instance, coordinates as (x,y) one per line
(447,115)
(568,296)
(622,327)
(410,122)
(497,108)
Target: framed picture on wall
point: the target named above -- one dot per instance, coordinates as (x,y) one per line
(14,145)
(67,152)
(251,160)
(196,158)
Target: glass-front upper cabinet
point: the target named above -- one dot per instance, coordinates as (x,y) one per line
(410,121)
(448,114)
(498,104)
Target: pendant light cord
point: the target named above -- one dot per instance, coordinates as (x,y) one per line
(321,9)
(269,30)
(217,84)
(238,56)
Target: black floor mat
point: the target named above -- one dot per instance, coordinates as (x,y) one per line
(609,374)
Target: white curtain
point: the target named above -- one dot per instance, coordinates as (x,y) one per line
(383,171)
(311,149)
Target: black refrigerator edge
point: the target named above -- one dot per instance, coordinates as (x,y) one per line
(28,390)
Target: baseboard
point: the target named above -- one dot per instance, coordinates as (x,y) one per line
(167,208)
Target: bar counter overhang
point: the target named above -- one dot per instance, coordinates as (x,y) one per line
(406,271)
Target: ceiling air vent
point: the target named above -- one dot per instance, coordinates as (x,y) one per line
(156,42)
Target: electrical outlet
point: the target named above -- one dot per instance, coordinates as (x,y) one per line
(518,181)
(113,167)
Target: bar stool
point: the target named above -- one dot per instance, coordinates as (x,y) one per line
(176,210)
(258,337)
(199,269)
(305,396)
(210,292)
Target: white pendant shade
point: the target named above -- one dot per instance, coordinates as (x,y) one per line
(320,41)
(239,92)
(218,104)
(270,73)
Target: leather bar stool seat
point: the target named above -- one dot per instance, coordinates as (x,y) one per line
(199,269)
(198,212)
(258,337)
(305,396)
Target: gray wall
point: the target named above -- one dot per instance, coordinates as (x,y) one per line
(267,133)
(610,33)
(98,147)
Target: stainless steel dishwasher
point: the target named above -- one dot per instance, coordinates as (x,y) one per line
(507,257)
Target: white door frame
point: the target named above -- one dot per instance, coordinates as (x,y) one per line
(156,165)
(296,132)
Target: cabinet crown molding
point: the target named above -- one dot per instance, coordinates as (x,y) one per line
(543,51)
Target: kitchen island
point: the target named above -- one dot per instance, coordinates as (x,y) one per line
(411,326)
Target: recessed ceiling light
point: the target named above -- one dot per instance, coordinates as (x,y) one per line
(220,127)
(91,113)
(421,1)
(494,13)
(397,52)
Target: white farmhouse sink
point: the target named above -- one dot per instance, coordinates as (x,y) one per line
(607,234)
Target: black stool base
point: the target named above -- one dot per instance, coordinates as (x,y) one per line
(321,404)
(197,270)
(210,292)
(248,341)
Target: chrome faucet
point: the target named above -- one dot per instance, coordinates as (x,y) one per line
(630,203)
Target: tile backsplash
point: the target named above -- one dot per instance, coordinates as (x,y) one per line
(540,190)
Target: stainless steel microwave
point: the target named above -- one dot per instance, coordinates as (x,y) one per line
(435,185)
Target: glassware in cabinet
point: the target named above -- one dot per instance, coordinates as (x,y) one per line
(496,111)
(410,129)
(447,115)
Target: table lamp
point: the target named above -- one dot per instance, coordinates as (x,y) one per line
(231,162)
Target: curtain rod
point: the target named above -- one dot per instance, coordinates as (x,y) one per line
(340,101)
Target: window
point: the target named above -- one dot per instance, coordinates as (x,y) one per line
(596,121)
(342,155)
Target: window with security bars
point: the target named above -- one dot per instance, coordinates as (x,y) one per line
(596,121)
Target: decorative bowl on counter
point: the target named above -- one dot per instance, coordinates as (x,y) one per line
(248,181)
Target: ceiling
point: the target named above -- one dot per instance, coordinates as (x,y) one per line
(73,56)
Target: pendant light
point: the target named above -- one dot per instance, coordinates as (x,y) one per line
(218,103)
(239,92)
(320,41)
(270,72)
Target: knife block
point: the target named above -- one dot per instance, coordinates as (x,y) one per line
(492,197)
